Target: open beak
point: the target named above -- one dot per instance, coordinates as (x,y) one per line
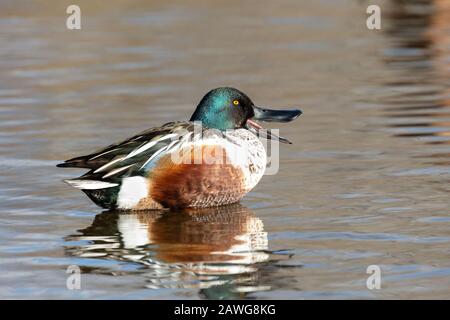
(267,115)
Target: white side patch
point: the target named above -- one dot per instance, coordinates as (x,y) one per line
(90,184)
(132,190)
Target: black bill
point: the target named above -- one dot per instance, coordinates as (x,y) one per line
(268,115)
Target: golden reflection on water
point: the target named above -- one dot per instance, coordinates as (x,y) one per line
(419,39)
(200,245)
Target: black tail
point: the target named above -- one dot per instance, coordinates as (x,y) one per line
(65,165)
(79,162)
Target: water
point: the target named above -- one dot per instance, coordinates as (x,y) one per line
(365,182)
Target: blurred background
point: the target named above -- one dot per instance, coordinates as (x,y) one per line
(366,181)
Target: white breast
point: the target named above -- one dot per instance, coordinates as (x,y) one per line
(243,150)
(247,152)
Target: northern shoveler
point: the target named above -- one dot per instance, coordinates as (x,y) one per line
(213,159)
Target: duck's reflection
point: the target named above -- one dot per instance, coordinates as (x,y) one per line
(190,249)
(223,235)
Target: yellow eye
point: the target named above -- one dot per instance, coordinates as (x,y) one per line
(235,102)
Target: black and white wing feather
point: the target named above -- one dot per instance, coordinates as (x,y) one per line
(130,157)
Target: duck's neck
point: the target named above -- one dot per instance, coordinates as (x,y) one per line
(214,121)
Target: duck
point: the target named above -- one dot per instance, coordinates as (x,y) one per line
(213,159)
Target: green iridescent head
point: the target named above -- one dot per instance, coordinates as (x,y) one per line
(223,109)
(228,108)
